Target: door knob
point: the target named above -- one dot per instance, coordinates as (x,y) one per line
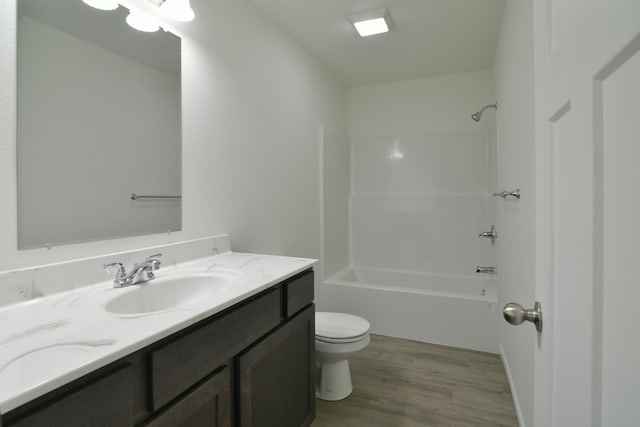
(515,314)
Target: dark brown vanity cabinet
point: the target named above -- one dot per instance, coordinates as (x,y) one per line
(106,400)
(208,404)
(275,381)
(251,365)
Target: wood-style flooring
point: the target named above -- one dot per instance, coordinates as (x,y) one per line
(402,383)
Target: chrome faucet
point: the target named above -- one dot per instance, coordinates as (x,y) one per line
(140,273)
(488,270)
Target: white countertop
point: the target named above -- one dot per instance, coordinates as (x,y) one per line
(48,342)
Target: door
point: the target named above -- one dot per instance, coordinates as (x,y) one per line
(587,76)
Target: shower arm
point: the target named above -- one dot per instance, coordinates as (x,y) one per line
(489,106)
(478,114)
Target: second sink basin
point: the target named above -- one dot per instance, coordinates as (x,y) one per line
(173,292)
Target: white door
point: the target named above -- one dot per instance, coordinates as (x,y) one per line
(587,359)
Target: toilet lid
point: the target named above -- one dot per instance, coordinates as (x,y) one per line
(340,326)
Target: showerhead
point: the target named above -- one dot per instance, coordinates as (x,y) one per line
(478,115)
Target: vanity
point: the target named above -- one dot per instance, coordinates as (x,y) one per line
(243,356)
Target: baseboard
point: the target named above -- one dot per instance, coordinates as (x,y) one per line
(516,403)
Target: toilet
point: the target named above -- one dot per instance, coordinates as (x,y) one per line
(338,337)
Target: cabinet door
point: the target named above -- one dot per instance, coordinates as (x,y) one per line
(277,383)
(207,404)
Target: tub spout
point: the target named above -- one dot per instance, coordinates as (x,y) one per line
(487,270)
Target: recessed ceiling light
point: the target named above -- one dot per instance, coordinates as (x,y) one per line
(371,22)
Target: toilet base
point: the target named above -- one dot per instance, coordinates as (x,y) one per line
(333,380)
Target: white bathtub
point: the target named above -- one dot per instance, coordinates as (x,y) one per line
(459,311)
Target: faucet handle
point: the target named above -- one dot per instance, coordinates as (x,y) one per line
(109,268)
(154,261)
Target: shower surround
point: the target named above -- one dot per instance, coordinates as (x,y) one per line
(417,205)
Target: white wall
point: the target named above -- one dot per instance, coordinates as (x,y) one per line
(253,103)
(433,104)
(335,201)
(126,140)
(516,250)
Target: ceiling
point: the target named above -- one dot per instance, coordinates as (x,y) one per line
(427,38)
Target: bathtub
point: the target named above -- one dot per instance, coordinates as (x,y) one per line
(453,310)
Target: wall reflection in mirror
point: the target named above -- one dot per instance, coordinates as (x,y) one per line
(98,119)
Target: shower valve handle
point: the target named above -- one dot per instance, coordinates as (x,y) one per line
(504,194)
(491,234)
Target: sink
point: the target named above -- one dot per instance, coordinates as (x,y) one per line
(172,292)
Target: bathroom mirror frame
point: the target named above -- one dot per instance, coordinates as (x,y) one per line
(99,118)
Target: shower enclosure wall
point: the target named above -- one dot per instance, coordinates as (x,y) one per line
(416,207)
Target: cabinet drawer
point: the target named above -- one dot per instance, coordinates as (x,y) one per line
(299,293)
(180,364)
(105,402)
(208,404)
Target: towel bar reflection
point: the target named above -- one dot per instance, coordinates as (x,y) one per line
(135,196)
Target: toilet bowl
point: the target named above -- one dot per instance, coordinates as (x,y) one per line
(338,337)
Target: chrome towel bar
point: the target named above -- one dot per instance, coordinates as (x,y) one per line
(135,196)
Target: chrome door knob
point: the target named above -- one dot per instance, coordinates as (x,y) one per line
(515,314)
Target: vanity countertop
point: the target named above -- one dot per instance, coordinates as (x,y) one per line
(48,342)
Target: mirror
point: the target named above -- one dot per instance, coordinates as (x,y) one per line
(98,119)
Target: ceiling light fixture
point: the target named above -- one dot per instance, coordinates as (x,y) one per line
(142,22)
(102,4)
(143,18)
(178,10)
(371,22)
